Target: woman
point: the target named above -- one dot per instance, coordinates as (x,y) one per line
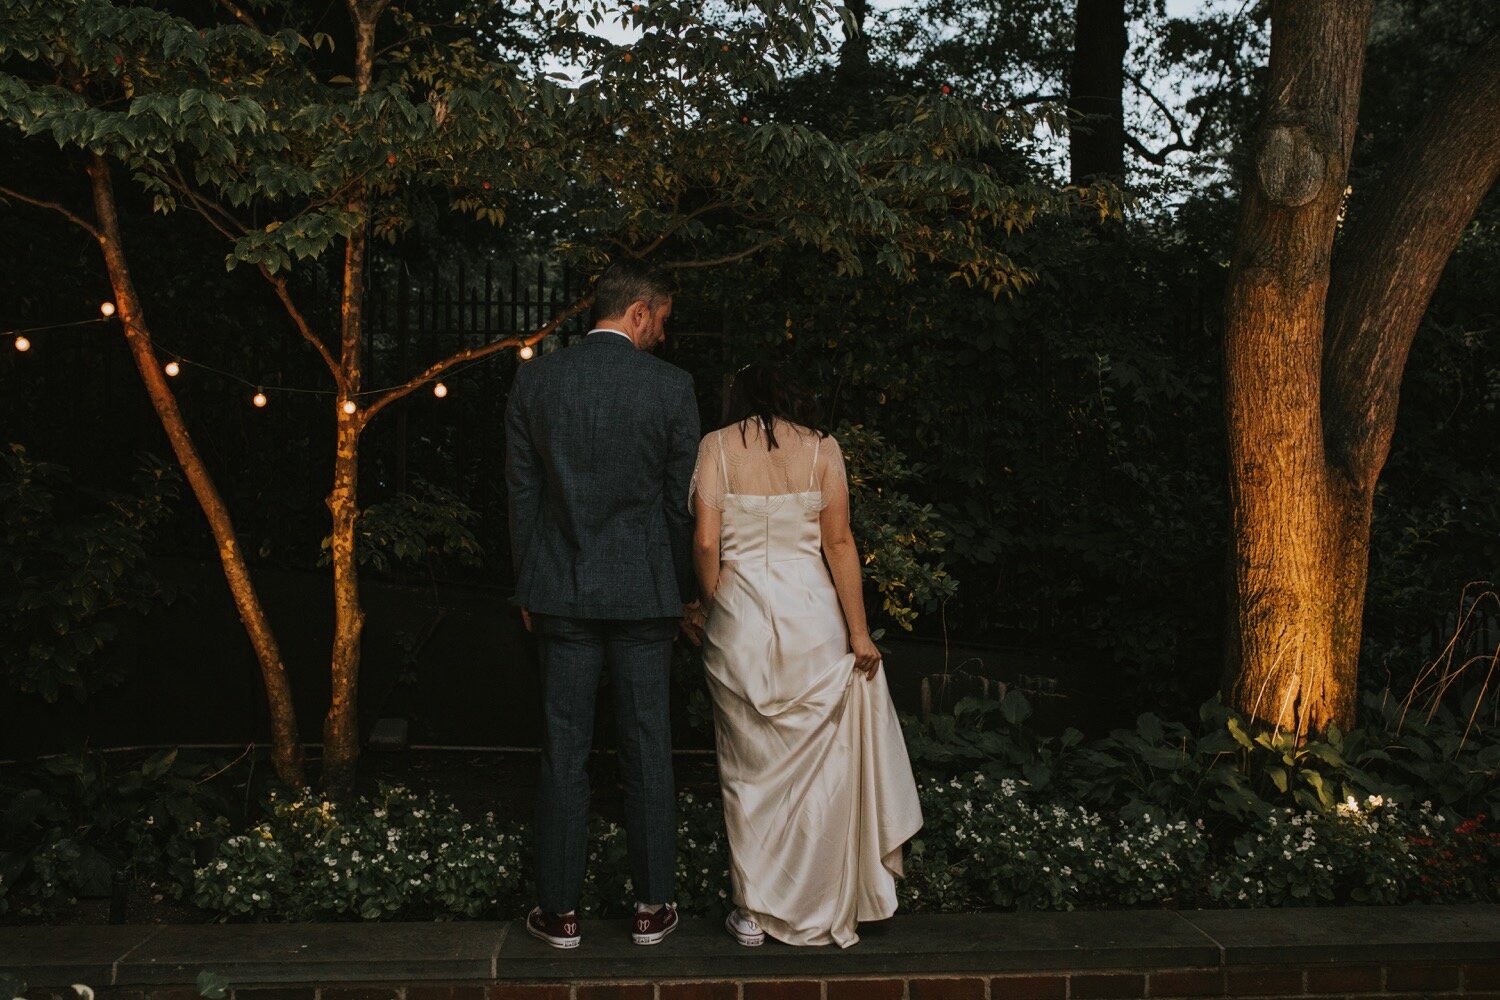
(818,789)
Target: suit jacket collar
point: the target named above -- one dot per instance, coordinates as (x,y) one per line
(609,337)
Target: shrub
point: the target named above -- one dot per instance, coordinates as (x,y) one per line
(70,821)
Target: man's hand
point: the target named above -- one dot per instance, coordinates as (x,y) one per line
(692,623)
(526,619)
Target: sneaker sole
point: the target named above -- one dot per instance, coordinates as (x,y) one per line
(656,938)
(555,942)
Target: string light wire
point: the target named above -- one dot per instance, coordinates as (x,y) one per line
(526,352)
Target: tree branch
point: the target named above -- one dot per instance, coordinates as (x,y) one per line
(240,14)
(203,206)
(1157,156)
(209,210)
(436,369)
(1181,144)
(55,207)
(1389,261)
(727,259)
(674,226)
(300,322)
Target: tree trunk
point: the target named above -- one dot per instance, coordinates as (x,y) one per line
(853,68)
(286,748)
(1287,652)
(1311,416)
(341,725)
(1389,261)
(1096,90)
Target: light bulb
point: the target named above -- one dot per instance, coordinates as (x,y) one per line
(527,352)
(173,368)
(107,308)
(22,344)
(440,390)
(259,399)
(350,407)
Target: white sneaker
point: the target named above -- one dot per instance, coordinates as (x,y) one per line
(744,928)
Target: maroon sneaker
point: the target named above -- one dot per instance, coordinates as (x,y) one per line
(558,930)
(650,928)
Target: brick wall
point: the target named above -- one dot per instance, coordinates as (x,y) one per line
(1476,980)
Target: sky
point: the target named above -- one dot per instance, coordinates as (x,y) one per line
(1052,148)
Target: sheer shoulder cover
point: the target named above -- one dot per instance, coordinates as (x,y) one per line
(735,461)
(833,477)
(709,476)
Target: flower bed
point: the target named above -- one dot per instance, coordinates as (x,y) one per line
(986,845)
(1157,815)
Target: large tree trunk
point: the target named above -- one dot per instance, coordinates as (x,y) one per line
(341,725)
(853,67)
(1281,649)
(286,748)
(1388,263)
(1310,419)
(1096,90)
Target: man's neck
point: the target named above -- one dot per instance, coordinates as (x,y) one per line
(617,331)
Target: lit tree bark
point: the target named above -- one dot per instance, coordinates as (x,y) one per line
(341,725)
(1096,90)
(286,748)
(1314,353)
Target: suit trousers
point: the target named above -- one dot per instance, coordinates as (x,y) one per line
(574,653)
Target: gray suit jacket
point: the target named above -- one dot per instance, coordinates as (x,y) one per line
(600,442)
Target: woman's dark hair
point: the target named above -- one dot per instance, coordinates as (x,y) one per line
(768,394)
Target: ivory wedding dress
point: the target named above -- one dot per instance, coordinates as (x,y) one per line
(818,789)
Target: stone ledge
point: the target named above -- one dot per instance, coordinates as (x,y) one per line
(966,957)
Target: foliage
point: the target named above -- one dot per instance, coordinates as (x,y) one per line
(898,537)
(985,844)
(396,856)
(415,528)
(402,856)
(1068,438)
(75,570)
(224,117)
(69,822)
(1187,92)
(1223,769)
(1158,814)
(1358,852)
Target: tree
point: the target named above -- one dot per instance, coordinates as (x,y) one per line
(1317,333)
(1168,90)
(1096,89)
(646,153)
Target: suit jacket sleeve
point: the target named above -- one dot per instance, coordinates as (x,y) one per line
(681,459)
(523,474)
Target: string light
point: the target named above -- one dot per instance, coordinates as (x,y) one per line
(177,363)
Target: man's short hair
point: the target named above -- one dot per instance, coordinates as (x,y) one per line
(626,281)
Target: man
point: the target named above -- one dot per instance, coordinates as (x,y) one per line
(601,439)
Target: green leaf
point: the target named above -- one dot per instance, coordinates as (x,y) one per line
(212,985)
(1014,707)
